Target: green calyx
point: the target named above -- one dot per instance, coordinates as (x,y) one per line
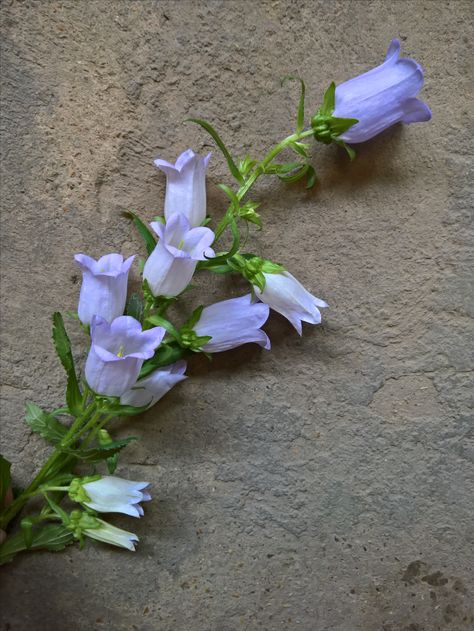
(76,491)
(254,268)
(79,521)
(191,340)
(328,128)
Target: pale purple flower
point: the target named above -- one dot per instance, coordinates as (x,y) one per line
(186,186)
(112,494)
(170,267)
(382,97)
(104,286)
(286,295)
(231,323)
(149,390)
(117,353)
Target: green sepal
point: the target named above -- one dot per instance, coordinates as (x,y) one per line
(135,307)
(5,478)
(53,537)
(269,267)
(219,268)
(340,125)
(165,355)
(351,152)
(145,233)
(219,142)
(311,177)
(329,101)
(44,424)
(300,113)
(194,318)
(62,345)
(159,219)
(248,213)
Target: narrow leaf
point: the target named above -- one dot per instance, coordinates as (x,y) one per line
(5,478)
(165,355)
(62,345)
(300,114)
(134,307)
(143,230)
(217,139)
(294,177)
(311,177)
(157,320)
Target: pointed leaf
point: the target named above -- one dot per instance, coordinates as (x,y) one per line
(300,114)
(217,139)
(143,230)
(157,320)
(5,478)
(62,345)
(329,101)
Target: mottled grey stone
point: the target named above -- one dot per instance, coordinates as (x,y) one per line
(327,485)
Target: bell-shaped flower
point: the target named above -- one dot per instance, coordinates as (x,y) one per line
(231,323)
(382,97)
(150,389)
(186,186)
(170,267)
(110,494)
(286,295)
(117,353)
(82,523)
(104,286)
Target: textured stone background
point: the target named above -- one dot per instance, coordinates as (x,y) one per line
(326,485)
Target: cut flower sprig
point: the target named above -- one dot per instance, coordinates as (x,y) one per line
(137,354)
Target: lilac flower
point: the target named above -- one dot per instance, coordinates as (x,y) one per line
(284,294)
(231,323)
(117,353)
(147,391)
(382,97)
(171,265)
(104,286)
(110,494)
(186,186)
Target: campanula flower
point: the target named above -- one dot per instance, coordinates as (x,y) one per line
(170,267)
(286,295)
(149,390)
(231,323)
(117,353)
(82,523)
(104,286)
(382,97)
(186,186)
(110,494)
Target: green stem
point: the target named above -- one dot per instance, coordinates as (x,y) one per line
(42,474)
(257,172)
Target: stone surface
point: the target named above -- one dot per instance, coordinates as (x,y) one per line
(327,485)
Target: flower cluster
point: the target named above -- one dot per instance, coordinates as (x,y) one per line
(137,353)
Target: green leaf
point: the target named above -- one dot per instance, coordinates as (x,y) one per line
(311,177)
(217,139)
(165,355)
(46,425)
(300,147)
(223,268)
(96,454)
(5,478)
(135,307)
(278,169)
(145,233)
(230,194)
(52,537)
(294,177)
(329,101)
(300,114)
(62,345)
(157,320)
